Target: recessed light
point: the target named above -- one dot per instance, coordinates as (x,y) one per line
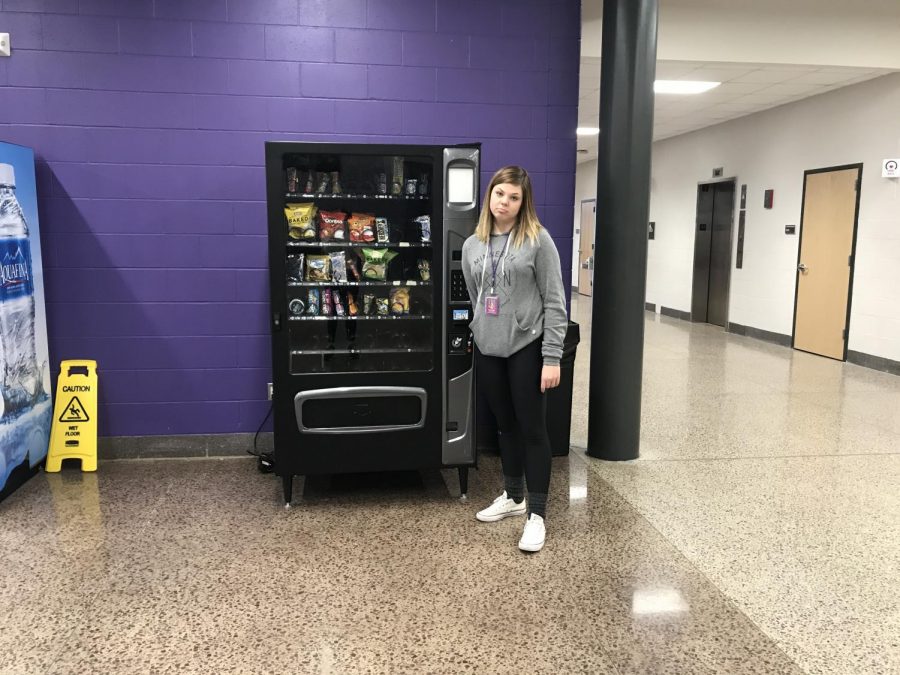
(587,131)
(683,86)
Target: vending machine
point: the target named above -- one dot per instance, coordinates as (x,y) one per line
(26,407)
(372,355)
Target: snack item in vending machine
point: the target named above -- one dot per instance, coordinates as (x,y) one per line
(412,186)
(381,306)
(338,304)
(375,262)
(294,271)
(318,268)
(327,307)
(382,231)
(397,177)
(331,226)
(300,220)
(310,177)
(335,183)
(368,304)
(423,185)
(424,269)
(352,308)
(400,300)
(354,270)
(323,180)
(362,227)
(296,307)
(338,267)
(381,187)
(293,181)
(312,302)
(424,227)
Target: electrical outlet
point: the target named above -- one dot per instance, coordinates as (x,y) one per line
(271,390)
(4,44)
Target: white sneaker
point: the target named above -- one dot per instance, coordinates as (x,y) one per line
(533,535)
(501,508)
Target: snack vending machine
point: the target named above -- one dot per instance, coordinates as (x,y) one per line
(372,355)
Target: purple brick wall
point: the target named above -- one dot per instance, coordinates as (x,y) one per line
(148,118)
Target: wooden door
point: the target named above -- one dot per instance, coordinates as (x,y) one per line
(825,264)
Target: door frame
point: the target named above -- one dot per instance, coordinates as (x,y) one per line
(580,232)
(729,179)
(859,176)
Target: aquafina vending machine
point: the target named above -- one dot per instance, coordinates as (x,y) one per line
(25,402)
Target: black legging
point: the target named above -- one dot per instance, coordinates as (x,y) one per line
(512,388)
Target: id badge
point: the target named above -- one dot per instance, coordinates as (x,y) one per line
(492,304)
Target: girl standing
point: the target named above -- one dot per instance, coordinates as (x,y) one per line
(512,272)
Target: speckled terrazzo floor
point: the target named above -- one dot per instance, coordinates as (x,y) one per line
(758,533)
(777,474)
(193,566)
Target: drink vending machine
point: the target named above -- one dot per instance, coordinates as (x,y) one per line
(372,355)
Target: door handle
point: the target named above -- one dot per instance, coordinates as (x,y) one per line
(802,268)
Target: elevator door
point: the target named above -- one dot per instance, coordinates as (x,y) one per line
(712,252)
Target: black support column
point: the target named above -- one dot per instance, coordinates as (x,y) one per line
(627,72)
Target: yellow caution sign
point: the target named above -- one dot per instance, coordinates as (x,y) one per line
(74,431)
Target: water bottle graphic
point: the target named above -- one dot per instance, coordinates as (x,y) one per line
(20,375)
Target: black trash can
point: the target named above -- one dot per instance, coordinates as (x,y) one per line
(559,404)
(559,399)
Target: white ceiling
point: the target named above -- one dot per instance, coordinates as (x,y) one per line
(824,47)
(746,88)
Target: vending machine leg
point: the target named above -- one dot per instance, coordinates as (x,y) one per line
(463,483)
(287,483)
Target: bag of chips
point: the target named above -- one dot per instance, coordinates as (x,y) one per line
(400,300)
(362,227)
(312,302)
(300,220)
(352,307)
(324,179)
(294,271)
(338,267)
(318,268)
(331,226)
(424,227)
(425,269)
(375,262)
(381,306)
(382,231)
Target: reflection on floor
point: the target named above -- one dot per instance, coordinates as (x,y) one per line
(777,474)
(758,533)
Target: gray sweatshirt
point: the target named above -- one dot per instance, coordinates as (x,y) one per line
(530,287)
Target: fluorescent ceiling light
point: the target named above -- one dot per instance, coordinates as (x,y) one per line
(683,86)
(587,131)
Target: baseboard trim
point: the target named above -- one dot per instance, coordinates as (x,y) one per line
(874,362)
(650,307)
(193,445)
(675,313)
(760,334)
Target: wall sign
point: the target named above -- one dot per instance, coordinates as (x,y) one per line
(718,171)
(652,231)
(739,259)
(890,168)
(790,229)
(768,198)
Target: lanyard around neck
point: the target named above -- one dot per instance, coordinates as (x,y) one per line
(490,254)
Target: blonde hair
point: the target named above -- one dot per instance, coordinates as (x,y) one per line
(527,225)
